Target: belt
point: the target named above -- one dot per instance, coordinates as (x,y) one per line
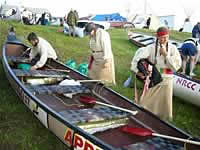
(96,51)
(166,71)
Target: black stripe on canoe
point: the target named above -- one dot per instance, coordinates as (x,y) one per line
(147,42)
(137,36)
(150,38)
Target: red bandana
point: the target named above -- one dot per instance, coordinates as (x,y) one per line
(161,33)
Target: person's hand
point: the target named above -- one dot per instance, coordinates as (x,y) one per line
(163,51)
(140,75)
(33,68)
(29,59)
(106,64)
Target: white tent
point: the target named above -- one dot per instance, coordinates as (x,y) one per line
(155,22)
(172,13)
(139,21)
(10,12)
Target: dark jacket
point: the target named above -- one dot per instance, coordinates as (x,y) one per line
(196,31)
(71,19)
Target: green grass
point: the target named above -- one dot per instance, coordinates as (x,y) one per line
(18,126)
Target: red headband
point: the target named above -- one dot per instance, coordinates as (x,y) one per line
(161,33)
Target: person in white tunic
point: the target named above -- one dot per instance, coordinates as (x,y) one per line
(101,64)
(42,48)
(166,57)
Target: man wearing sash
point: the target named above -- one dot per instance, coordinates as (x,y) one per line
(101,65)
(41,48)
(166,57)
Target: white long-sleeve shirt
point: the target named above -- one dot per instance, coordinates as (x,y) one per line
(45,50)
(171,61)
(101,46)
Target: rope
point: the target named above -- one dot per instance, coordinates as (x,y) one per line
(185,144)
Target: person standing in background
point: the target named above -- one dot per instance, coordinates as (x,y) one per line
(11,34)
(196,31)
(148,22)
(101,65)
(77,16)
(72,21)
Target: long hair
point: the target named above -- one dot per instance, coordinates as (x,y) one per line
(89,27)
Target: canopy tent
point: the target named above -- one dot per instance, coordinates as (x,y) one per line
(109,17)
(175,22)
(140,21)
(10,12)
(173,13)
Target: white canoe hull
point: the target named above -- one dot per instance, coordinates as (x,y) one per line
(186,89)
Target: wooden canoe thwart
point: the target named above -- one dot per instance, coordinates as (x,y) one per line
(19,59)
(38,73)
(50,89)
(83,113)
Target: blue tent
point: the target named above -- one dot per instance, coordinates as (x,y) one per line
(109,17)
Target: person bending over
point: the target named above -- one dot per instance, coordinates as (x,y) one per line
(190,50)
(42,49)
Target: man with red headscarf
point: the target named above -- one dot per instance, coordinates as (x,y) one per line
(166,57)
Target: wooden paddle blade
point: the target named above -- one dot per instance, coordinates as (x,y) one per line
(136,131)
(87,100)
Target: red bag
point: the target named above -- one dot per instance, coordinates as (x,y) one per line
(90,62)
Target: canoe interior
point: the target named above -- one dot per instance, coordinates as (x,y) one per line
(14,50)
(113,137)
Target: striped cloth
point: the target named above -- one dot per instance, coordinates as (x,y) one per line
(50,89)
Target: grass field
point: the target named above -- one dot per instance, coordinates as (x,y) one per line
(18,126)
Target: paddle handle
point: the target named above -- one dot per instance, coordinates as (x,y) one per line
(88,81)
(176,138)
(119,108)
(60,70)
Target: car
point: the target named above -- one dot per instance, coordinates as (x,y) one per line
(79,29)
(102,24)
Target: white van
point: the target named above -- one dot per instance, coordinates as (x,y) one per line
(102,24)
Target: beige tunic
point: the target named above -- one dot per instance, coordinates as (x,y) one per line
(45,50)
(158,99)
(103,64)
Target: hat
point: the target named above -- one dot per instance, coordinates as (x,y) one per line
(89,27)
(161,31)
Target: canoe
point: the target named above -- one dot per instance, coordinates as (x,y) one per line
(142,40)
(184,87)
(187,88)
(80,126)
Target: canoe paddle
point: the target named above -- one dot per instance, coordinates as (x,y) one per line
(59,70)
(82,81)
(147,132)
(92,101)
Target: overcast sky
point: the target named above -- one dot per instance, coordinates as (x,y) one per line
(125,7)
